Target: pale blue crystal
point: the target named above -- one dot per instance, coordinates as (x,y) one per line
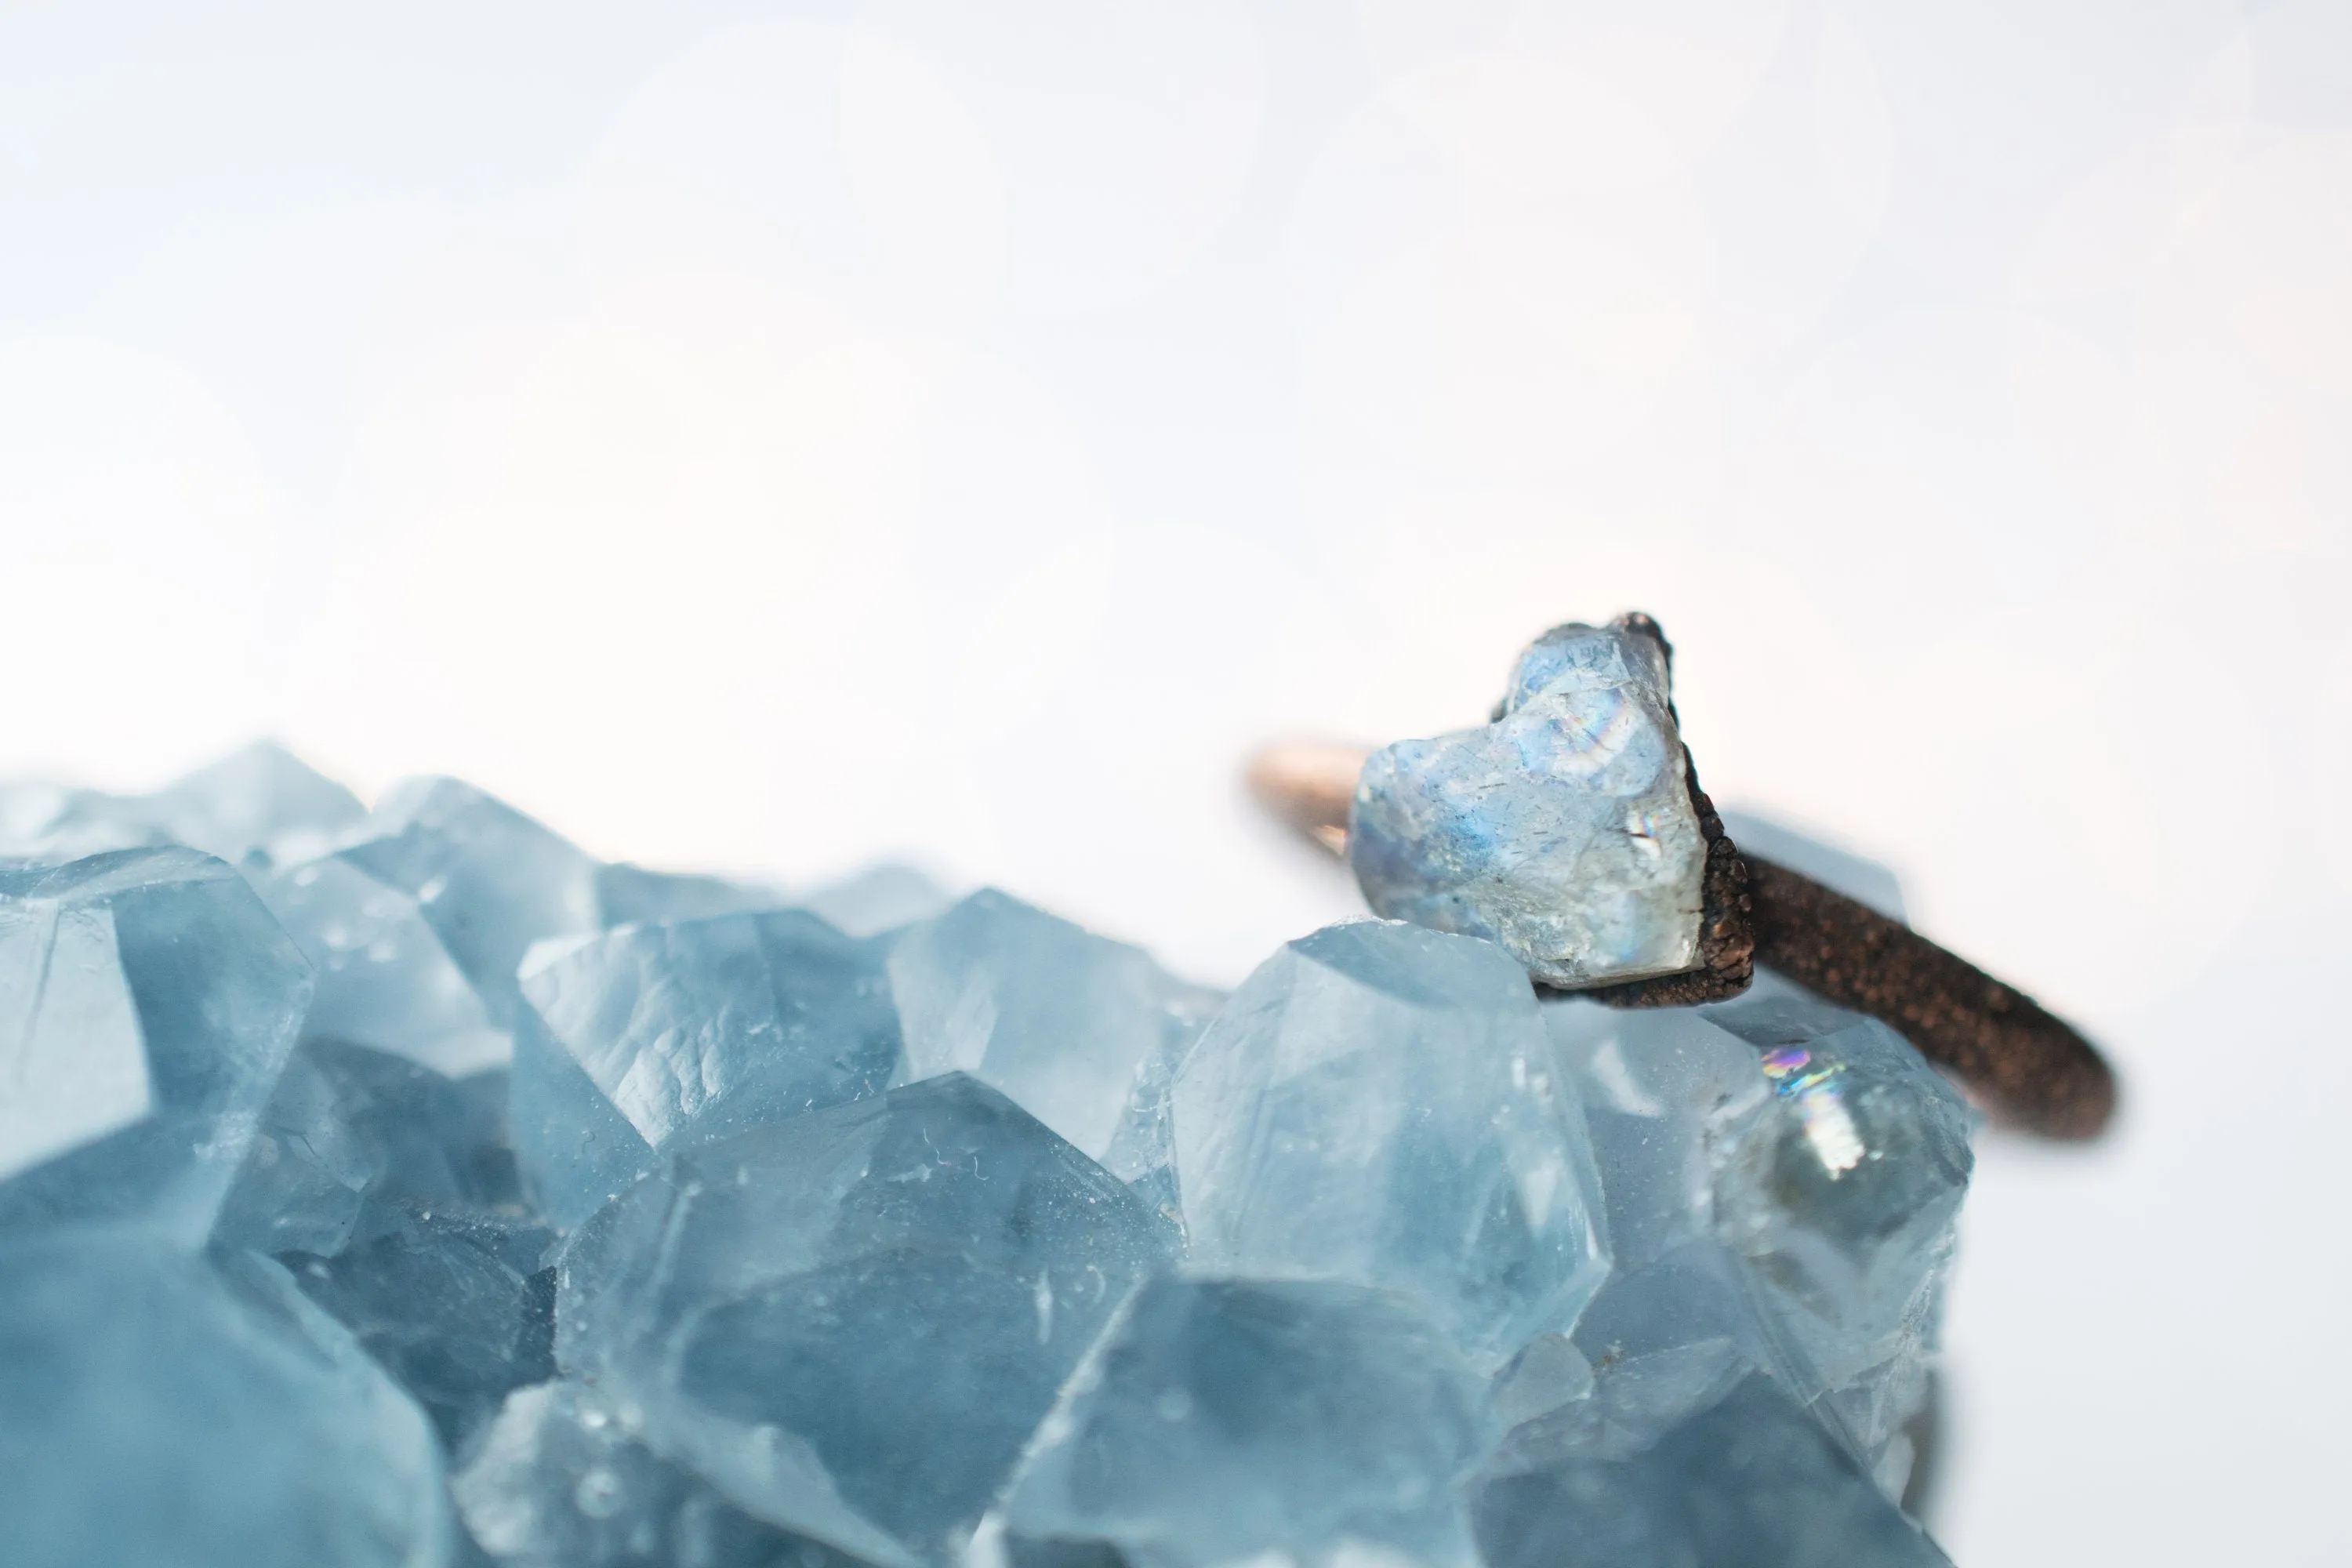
(1564,830)
(633,895)
(1783,1174)
(852,1321)
(1054,1016)
(560,1480)
(419,918)
(157,1409)
(1231,1421)
(1376,1104)
(347,1123)
(1747,1480)
(880,898)
(458,1304)
(151,1002)
(693,1031)
(260,805)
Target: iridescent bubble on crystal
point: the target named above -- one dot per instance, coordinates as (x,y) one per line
(1564,830)
(151,1003)
(1376,1104)
(158,1408)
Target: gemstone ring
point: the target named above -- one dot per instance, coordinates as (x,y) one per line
(1570,831)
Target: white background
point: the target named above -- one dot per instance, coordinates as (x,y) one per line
(769,435)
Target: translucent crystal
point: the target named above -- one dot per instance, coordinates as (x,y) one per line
(260,805)
(418,921)
(1563,831)
(1225,1422)
(558,1481)
(880,898)
(631,895)
(695,1030)
(1747,1480)
(347,1123)
(156,1409)
(1782,1175)
(852,1321)
(151,1002)
(455,1303)
(1054,1016)
(1376,1104)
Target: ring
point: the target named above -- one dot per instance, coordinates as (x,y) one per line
(1570,830)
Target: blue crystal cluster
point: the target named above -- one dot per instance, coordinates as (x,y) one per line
(407,1187)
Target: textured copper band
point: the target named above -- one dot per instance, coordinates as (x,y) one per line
(2027,1067)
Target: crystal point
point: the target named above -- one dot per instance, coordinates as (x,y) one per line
(1054,1016)
(152,1002)
(1376,1105)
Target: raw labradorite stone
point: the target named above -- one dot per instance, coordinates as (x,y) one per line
(1747,1480)
(559,1479)
(419,918)
(1048,1012)
(690,1032)
(158,1408)
(151,1002)
(851,1322)
(1236,1421)
(1376,1105)
(1563,831)
(258,806)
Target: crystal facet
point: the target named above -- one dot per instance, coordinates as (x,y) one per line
(1376,1105)
(155,1408)
(1050,1013)
(698,1029)
(418,921)
(1747,1480)
(851,1321)
(149,1004)
(1564,830)
(348,1124)
(1225,1422)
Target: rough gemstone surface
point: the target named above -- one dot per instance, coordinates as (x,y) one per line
(1376,1105)
(1046,1011)
(147,1005)
(558,1481)
(1747,1480)
(419,918)
(693,1031)
(852,1321)
(155,1408)
(258,806)
(1231,1421)
(1564,830)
